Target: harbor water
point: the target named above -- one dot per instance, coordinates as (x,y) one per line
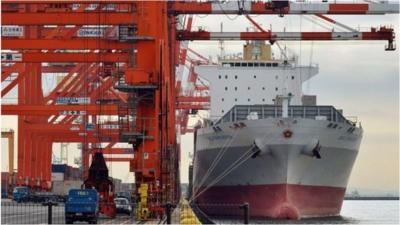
(353,212)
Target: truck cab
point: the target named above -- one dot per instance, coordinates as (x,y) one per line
(82,205)
(21,194)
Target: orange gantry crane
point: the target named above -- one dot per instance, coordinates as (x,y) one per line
(118,59)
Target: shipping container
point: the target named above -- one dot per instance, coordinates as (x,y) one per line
(72,173)
(62,187)
(57,176)
(58,168)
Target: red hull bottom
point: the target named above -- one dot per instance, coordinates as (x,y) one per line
(280,201)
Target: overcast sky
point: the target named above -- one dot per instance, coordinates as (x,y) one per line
(358,77)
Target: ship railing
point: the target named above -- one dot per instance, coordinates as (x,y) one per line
(249,112)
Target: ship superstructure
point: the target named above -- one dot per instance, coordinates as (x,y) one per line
(269,145)
(255,78)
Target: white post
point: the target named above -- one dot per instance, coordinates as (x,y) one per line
(285,107)
(285,104)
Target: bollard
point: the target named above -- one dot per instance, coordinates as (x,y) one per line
(246,213)
(49,205)
(168,207)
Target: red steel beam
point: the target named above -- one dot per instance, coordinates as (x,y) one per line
(68,18)
(281,7)
(74,57)
(74,44)
(13,83)
(48,110)
(108,159)
(7,71)
(381,34)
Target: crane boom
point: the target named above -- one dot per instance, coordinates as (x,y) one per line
(284,7)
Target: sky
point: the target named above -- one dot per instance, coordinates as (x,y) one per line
(358,77)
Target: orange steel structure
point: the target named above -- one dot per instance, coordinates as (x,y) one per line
(119,83)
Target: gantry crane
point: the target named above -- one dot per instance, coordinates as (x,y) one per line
(118,59)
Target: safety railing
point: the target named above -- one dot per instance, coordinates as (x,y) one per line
(245,112)
(53,213)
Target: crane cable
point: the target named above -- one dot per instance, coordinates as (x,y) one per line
(232,167)
(221,152)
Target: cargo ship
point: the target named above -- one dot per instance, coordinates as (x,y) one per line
(267,144)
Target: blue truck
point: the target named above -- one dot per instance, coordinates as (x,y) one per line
(82,205)
(21,194)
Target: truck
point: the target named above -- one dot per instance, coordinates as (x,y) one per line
(25,194)
(82,205)
(21,194)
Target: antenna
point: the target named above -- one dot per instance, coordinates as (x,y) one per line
(222,45)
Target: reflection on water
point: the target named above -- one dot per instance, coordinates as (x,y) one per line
(353,212)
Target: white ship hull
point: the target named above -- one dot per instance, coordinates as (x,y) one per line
(280,177)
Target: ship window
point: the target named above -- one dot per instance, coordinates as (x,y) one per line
(256,64)
(274,64)
(235,99)
(262,64)
(248,88)
(226,76)
(263,99)
(268,64)
(223,99)
(292,77)
(276,77)
(226,88)
(219,76)
(237,64)
(248,99)
(235,88)
(276,88)
(222,111)
(263,88)
(244,64)
(251,64)
(255,76)
(231,64)
(235,76)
